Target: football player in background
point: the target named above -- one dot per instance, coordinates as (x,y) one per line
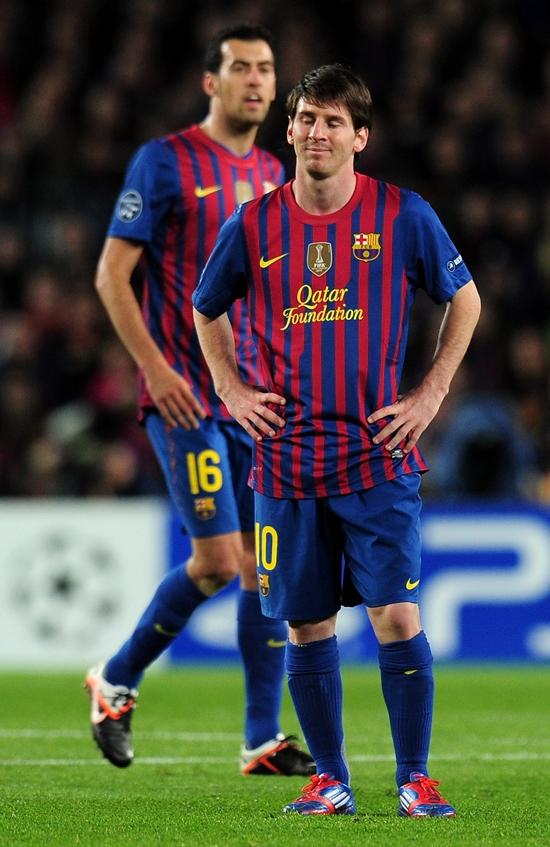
(178,191)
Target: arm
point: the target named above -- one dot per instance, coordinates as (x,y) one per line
(171,393)
(246,403)
(413,412)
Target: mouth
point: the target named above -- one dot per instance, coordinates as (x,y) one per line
(253,100)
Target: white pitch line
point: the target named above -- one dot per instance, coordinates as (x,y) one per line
(190,737)
(158,735)
(219,760)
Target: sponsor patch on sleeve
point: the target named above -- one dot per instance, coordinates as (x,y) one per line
(129,207)
(453,264)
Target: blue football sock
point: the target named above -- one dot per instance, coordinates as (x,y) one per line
(174,601)
(261,642)
(316,688)
(408,687)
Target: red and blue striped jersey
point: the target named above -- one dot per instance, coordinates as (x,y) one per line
(329,299)
(177,193)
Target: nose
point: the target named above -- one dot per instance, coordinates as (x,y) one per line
(317,129)
(254,76)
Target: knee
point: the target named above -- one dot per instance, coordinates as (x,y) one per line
(212,574)
(396,622)
(306,632)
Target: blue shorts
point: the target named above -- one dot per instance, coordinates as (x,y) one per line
(206,471)
(310,553)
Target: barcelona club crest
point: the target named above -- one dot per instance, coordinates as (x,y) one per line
(263,584)
(366,246)
(205,508)
(319,257)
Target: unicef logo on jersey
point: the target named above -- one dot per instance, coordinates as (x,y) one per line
(130,207)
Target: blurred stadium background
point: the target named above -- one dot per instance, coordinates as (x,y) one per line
(462,115)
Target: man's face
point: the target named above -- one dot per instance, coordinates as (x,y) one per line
(245,82)
(324,138)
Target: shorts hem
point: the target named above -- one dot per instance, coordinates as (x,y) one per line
(388,601)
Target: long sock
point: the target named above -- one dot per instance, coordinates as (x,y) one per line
(261,642)
(408,688)
(316,688)
(174,601)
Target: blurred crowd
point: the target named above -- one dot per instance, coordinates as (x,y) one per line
(462,114)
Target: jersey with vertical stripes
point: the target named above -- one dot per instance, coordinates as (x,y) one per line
(329,299)
(177,193)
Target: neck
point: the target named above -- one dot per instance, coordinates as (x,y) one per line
(323,196)
(239,141)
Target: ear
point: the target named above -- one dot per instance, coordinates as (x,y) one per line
(290,131)
(210,83)
(361,139)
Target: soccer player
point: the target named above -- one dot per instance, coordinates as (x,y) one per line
(178,191)
(329,265)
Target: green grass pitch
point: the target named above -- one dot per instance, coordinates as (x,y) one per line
(490,749)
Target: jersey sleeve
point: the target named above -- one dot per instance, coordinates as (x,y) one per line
(225,275)
(433,261)
(150,188)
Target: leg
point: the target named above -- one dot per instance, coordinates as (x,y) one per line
(262,644)
(195,464)
(315,684)
(407,684)
(316,687)
(382,551)
(112,688)
(299,569)
(198,475)
(382,555)
(214,562)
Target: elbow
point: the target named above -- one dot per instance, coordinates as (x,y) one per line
(476,303)
(99,282)
(104,279)
(101,276)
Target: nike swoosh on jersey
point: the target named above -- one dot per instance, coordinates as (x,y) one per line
(408,673)
(201,191)
(265,263)
(273,643)
(410,585)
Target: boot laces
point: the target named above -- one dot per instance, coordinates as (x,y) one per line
(429,787)
(316,783)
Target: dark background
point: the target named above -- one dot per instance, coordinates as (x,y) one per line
(462,114)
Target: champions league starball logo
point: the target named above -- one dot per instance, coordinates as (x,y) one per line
(66,585)
(130,207)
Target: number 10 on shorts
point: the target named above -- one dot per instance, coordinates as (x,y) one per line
(266,542)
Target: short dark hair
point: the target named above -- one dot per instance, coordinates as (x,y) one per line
(244,32)
(334,84)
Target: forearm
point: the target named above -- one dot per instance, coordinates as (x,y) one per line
(455,334)
(412,413)
(218,347)
(248,404)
